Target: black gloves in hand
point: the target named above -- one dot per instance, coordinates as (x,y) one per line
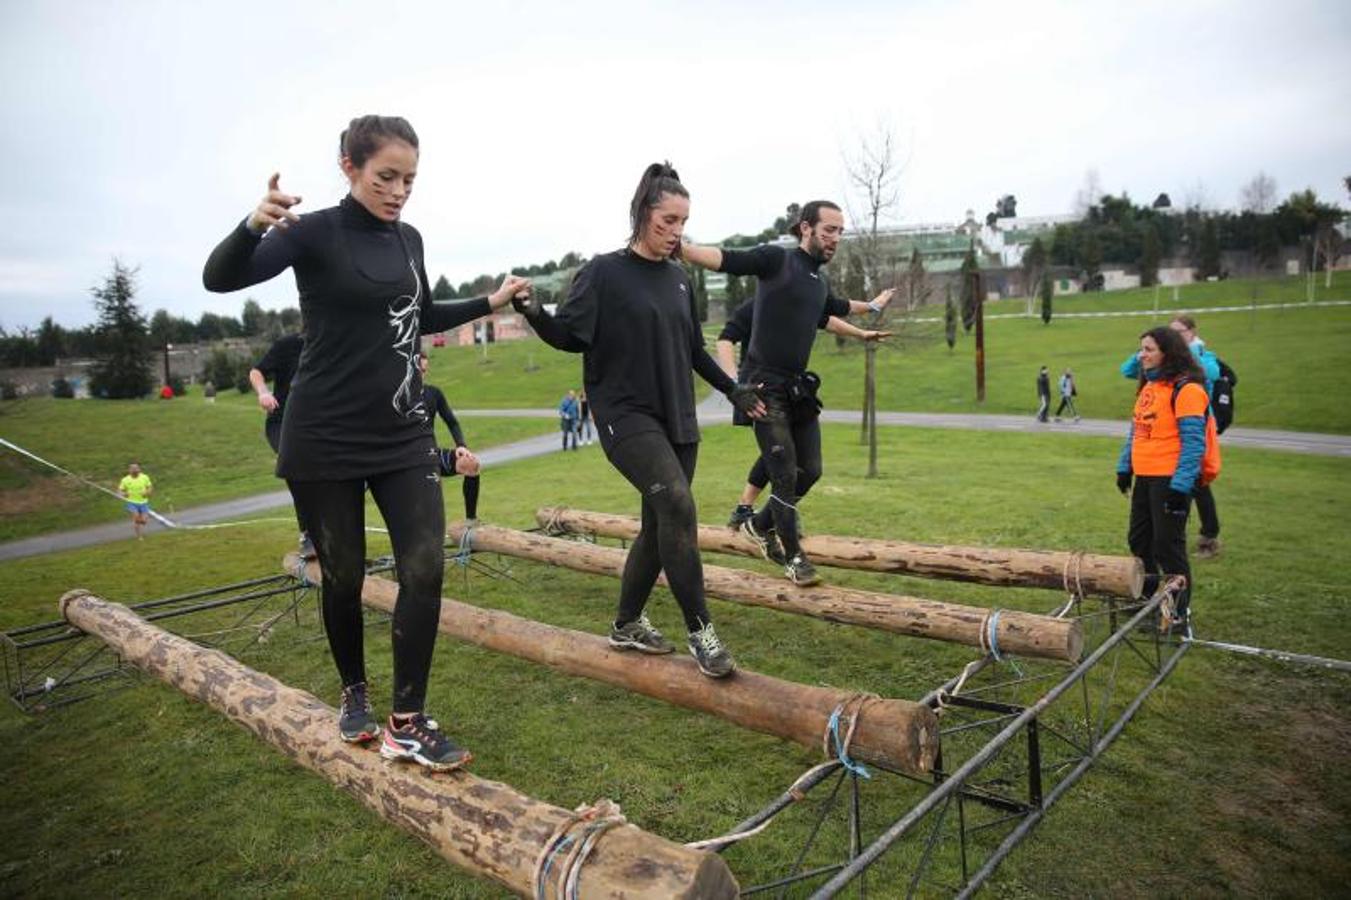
(1176,504)
(744,397)
(1123,482)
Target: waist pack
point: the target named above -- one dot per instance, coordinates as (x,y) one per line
(803,399)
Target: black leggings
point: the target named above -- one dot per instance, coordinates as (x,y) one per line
(1159,539)
(1206,511)
(410,501)
(669,538)
(792,454)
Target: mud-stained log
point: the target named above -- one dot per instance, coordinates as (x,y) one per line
(898,734)
(1095,574)
(485,827)
(1019,633)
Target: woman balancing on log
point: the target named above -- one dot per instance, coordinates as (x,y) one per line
(356,418)
(1170,451)
(631,314)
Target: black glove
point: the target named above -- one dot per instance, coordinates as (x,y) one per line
(527,306)
(744,397)
(1123,482)
(1176,504)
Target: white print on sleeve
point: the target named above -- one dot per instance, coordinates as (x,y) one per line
(403,320)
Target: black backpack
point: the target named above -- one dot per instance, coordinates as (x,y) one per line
(1222,396)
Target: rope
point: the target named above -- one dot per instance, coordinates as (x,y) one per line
(832,731)
(794,790)
(1076,557)
(775,498)
(989,635)
(594,820)
(466,547)
(555,524)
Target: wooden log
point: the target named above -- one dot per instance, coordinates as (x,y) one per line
(485,827)
(898,734)
(1019,633)
(1095,574)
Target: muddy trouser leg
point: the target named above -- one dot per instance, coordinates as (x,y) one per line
(1205,509)
(668,539)
(410,501)
(774,434)
(336,511)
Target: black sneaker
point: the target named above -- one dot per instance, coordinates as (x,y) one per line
(356,722)
(742,512)
(800,571)
(421,740)
(767,542)
(708,651)
(639,635)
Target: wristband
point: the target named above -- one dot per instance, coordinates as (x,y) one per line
(874,306)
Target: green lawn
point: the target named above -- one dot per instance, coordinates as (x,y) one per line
(1234,778)
(196,453)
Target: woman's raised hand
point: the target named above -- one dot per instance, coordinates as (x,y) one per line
(274,210)
(512,286)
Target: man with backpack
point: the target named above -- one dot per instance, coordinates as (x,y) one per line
(1220,382)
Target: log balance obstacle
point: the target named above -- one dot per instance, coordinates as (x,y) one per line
(485,827)
(895,734)
(1019,633)
(1083,573)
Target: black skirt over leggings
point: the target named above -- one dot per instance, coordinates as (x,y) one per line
(410,501)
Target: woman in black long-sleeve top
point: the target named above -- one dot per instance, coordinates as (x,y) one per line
(356,417)
(631,314)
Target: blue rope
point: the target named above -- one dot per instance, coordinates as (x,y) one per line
(541,886)
(991,635)
(466,548)
(840,754)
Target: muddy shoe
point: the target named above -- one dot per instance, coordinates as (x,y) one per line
(800,571)
(767,542)
(708,651)
(356,722)
(639,635)
(422,740)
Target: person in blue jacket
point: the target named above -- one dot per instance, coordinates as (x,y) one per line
(1208,544)
(568,413)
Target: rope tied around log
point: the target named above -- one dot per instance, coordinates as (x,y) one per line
(989,635)
(1077,558)
(466,547)
(580,832)
(832,731)
(555,524)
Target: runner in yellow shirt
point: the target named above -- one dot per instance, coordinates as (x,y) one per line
(137,487)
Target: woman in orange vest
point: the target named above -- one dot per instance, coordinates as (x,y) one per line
(1163,452)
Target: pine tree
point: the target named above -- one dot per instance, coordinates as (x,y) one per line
(1149,257)
(1047,292)
(969,299)
(950,319)
(124,367)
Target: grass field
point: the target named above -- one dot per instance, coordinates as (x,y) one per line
(1234,779)
(196,453)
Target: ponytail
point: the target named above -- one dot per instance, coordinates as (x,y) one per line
(658,179)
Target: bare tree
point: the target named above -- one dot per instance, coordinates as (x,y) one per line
(1328,241)
(1089,195)
(1258,195)
(874,173)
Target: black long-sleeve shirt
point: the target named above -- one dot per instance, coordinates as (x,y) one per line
(438,406)
(793,300)
(278,365)
(634,322)
(356,406)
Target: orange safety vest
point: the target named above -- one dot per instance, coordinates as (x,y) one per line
(1156,443)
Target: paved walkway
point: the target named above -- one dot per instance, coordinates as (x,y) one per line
(713,410)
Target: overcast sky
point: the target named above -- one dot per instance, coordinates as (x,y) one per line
(145,131)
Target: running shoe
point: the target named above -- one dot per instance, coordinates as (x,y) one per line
(742,512)
(800,571)
(422,740)
(767,542)
(639,635)
(713,658)
(356,722)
